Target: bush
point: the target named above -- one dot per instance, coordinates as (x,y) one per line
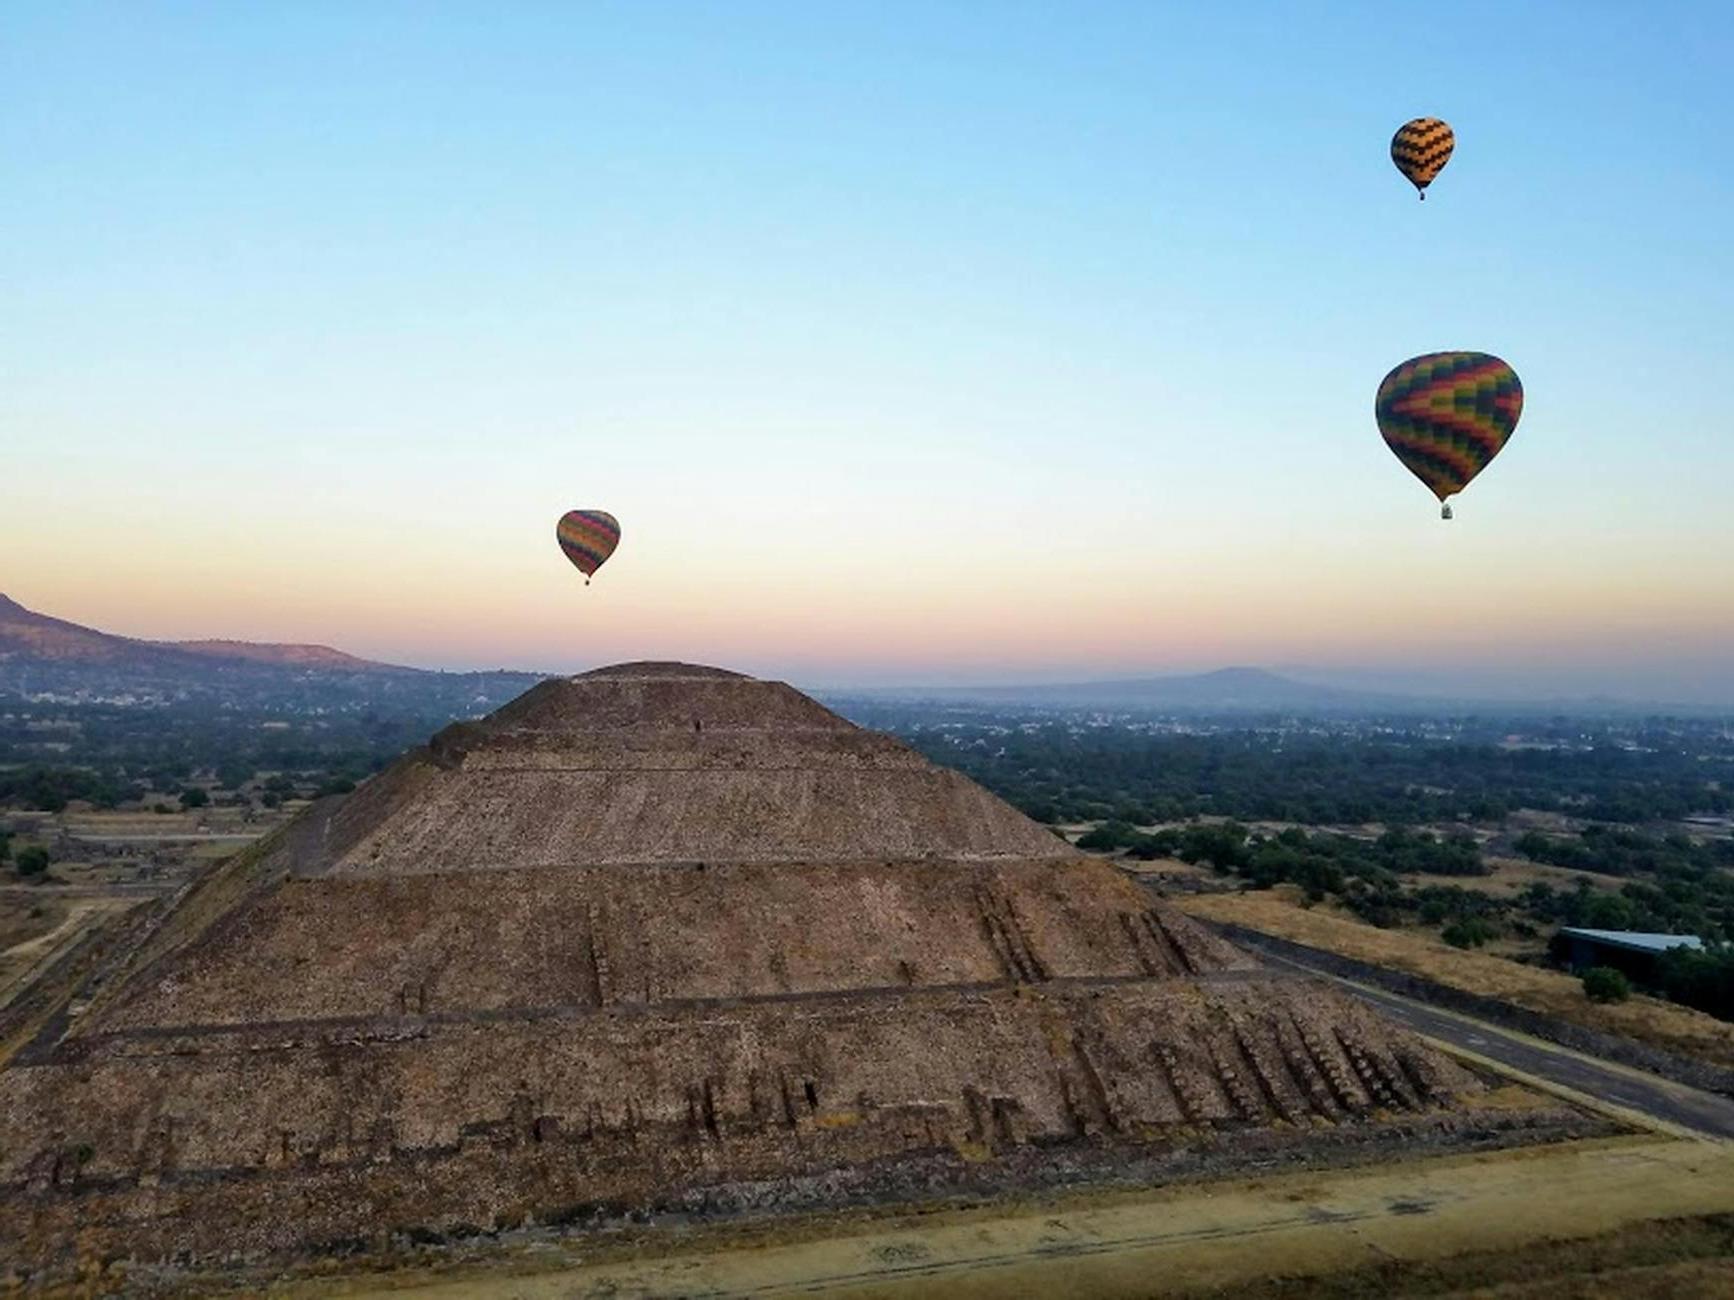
(1605,984)
(193,797)
(32,861)
(1468,933)
(1223,847)
(1107,837)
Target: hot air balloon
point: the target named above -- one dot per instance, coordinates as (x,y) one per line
(1421,149)
(1447,414)
(588,537)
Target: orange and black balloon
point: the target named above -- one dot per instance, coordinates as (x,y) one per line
(1421,149)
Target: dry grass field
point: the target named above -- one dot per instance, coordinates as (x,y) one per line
(1660,1024)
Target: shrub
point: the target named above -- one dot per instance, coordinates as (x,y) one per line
(1110,835)
(1605,984)
(32,861)
(193,797)
(1470,932)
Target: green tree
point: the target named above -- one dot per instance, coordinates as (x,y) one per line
(193,797)
(1605,984)
(1604,911)
(1533,845)
(32,861)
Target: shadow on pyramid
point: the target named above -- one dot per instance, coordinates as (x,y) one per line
(661,937)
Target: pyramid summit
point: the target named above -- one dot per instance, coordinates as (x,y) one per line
(656,935)
(669,763)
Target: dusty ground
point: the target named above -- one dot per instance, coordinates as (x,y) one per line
(1649,1020)
(1630,1212)
(104,863)
(1687,1259)
(27,913)
(64,919)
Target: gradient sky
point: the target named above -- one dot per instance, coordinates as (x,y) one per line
(910,342)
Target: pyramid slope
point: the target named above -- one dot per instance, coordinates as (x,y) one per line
(659,935)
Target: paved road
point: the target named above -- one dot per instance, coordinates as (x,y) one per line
(1661,1099)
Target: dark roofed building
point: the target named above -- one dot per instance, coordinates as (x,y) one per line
(1633,951)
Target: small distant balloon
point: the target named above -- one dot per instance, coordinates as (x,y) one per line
(1447,414)
(1421,148)
(588,537)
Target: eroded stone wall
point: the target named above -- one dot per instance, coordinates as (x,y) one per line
(623,1105)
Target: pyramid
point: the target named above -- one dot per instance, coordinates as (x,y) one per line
(654,936)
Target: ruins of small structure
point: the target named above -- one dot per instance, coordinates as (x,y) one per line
(652,936)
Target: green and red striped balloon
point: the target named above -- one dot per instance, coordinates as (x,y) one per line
(588,537)
(1447,414)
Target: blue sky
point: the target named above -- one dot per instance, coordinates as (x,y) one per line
(939,342)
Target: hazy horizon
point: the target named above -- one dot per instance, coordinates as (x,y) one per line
(1707,690)
(908,348)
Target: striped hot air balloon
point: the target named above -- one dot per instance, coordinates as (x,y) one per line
(588,537)
(1447,414)
(1421,149)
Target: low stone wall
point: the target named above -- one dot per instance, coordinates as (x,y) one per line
(1609,1047)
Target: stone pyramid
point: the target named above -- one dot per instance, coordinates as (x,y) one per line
(653,936)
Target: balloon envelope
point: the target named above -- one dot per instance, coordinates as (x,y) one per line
(1447,414)
(1421,148)
(588,537)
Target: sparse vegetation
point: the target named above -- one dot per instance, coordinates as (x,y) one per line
(1549,992)
(1397,772)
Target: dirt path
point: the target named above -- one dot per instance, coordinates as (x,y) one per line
(1170,1242)
(21,961)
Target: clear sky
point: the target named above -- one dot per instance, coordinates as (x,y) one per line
(909,342)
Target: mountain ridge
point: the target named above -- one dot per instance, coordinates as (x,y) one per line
(42,657)
(24,630)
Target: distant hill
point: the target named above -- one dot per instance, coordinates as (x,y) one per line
(28,635)
(289,656)
(41,655)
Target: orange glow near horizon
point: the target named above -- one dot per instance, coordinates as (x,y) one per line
(835,615)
